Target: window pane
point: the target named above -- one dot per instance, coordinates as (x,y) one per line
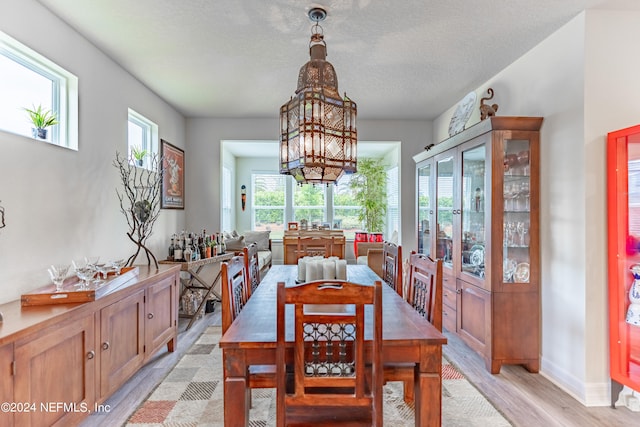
(268,192)
(393,208)
(308,203)
(141,136)
(22,88)
(345,208)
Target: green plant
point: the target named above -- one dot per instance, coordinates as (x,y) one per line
(138,153)
(370,185)
(40,117)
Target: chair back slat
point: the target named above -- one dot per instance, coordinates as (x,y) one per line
(252,265)
(334,370)
(392,266)
(425,287)
(235,289)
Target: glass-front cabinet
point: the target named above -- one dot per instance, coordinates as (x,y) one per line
(481,190)
(623,216)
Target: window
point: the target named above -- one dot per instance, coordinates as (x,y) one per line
(268,203)
(226,199)
(308,203)
(142,135)
(30,80)
(393,205)
(345,208)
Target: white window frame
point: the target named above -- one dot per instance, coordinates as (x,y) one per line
(64,96)
(149,140)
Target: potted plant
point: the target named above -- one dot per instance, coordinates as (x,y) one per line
(41,120)
(138,155)
(370,185)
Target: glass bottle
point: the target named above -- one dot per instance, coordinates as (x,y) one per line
(172,248)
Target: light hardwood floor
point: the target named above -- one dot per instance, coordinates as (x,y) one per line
(531,400)
(525,399)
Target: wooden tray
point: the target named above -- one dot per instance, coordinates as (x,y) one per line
(47,295)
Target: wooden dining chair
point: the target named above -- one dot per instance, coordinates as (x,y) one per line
(392,266)
(372,253)
(424,294)
(332,376)
(236,290)
(252,265)
(314,246)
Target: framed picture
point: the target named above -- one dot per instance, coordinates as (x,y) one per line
(293,225)
(173,176)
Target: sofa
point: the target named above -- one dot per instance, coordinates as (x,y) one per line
(236,242)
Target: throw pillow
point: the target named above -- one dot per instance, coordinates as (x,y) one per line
(235,244)
(259,237)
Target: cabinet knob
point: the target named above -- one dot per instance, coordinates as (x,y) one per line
(91,355)
(150,316)
(458,291)
(105,345)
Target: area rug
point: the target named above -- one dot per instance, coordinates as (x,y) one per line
(192,396)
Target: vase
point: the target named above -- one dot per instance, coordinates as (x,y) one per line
(39,133)
(633,312)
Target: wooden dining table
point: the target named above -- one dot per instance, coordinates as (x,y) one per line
(407,338)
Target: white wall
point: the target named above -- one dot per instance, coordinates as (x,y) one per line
(61,204)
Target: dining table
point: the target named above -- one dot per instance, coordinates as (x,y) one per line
(407,338)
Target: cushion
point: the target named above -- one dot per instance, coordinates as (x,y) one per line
(235,244)
(230,235)
(259,237)
(264,259)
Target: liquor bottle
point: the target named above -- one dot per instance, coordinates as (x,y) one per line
(187,252)
(177,251)
(172,248)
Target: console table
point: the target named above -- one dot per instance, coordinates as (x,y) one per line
(194,268)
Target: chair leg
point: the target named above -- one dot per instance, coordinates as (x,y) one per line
(408,392)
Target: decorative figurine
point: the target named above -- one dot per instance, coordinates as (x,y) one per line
(633,312)
(243,196)
(485,109)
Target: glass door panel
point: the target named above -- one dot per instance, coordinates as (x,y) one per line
(517,215)
(473,211)
(444,211)
(425,210)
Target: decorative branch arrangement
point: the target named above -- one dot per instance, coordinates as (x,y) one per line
(2,224)
(140,201)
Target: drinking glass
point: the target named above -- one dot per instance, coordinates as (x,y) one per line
(101,270)
(117,265)
(58,272)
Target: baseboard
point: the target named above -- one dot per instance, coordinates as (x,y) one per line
(588,394)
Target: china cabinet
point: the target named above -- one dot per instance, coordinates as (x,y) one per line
(478,211)
(623,201)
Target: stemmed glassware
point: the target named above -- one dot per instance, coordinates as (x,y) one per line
(58,272)
(84,272)
(117,265)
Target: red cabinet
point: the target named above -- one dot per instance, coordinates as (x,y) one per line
(623,201)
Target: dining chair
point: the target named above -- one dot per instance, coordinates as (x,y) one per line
(331,376)
(236,290)
(314,246)
(252,265)
(392,266)
(424,294)
(370,253)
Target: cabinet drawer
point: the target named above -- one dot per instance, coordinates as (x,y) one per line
(449,318)
(449,297)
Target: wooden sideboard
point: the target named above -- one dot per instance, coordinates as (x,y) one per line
(59,362)
(290,242)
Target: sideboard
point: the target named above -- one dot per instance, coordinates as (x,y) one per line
(58,363)
(290,242)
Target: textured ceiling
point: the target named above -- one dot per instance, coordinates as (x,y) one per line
(406,59)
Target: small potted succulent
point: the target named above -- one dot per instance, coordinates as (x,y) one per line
(138,155)
(41,120)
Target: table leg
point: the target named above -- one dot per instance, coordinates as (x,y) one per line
(211,286)
(236,390)
(428,388)
(209,290)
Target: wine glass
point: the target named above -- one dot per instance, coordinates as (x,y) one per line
(101,270)
(117,265)
(58,272)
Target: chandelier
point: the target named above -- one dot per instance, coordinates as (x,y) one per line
(318,136)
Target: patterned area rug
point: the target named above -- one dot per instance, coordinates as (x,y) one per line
(192,396)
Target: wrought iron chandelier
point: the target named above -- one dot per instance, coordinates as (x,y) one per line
(318,137)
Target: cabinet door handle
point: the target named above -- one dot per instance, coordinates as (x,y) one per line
(150,316)
(458,291)
(105,345)
(91,355)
